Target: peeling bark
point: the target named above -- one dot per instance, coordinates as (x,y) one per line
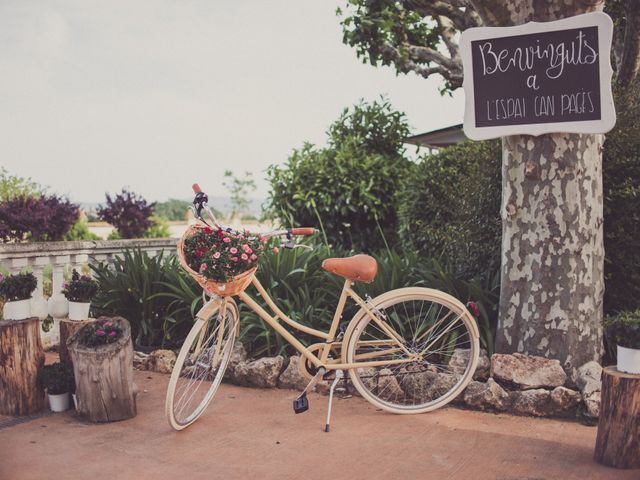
(552,248)
(552,242)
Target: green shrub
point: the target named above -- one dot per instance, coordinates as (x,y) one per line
(57,378)
(349,188)
(309,295)
(80,231)
(12,186)
(159,228)
(450,207)
(139,288)
(160,300)
(621,183)
(173,209)
(295,280)
(622,329)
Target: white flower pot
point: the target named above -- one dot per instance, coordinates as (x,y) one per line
(18,310)
(79,310)
(629,360)
(59,403)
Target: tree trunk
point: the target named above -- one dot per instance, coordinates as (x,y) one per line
(21,356)
(618,440)
(105,391)
(552,244)
(68,328)
(552,248)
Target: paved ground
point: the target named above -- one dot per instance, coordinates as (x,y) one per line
(253,434)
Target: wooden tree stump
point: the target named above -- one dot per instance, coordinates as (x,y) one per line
(67,329)
(618,440)
(21,356)
(105,391)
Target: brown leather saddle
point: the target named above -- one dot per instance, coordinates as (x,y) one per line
(359,268)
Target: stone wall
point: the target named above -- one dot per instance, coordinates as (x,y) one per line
(518,384)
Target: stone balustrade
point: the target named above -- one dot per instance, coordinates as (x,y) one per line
(59,255)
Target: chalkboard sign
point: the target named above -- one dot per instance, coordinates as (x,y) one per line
(539,78)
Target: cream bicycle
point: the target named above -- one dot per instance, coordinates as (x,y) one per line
(410,350)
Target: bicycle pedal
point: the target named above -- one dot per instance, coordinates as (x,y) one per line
(301,404)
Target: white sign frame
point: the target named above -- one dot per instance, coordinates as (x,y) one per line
(607,108)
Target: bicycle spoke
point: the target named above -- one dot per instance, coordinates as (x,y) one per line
(431,333)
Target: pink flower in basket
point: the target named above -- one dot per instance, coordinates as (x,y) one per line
(226,239)
(233,250)
(216,255)
(203,267)
(244,256)
(254,257)
(235,259)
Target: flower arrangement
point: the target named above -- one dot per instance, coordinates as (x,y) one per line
(220,256)
(101,332)
(17,287)
(624,329)
(57,378)
(81,288)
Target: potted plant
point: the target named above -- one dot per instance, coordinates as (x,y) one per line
(102,332)
(16,291)
(79,291)
(58,380)
(624,329)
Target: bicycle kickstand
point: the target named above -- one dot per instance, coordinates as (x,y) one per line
(339,375)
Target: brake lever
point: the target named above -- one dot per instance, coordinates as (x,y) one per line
(291,245)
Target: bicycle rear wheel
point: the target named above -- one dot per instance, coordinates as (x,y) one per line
(425,345)
(200,365)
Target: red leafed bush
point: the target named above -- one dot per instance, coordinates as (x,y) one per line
(128,212)
(43,218)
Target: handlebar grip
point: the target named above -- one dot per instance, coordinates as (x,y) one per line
(196,188)
(303,231)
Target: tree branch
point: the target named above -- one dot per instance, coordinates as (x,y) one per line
(455,11)
(451,72)
(448,34)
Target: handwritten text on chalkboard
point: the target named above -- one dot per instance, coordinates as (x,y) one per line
(538,74)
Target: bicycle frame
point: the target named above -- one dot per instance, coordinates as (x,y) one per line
(321,360)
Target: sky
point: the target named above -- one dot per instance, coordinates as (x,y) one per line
(157,94)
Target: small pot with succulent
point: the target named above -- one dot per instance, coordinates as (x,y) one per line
(16,291)
(79,291)
(59,382)
(624,329)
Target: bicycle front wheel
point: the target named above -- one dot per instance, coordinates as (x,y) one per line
(200,365)
(417,354)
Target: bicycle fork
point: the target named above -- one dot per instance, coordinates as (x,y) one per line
(301,403)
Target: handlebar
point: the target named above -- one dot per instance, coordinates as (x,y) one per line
(303,231)
(200,203)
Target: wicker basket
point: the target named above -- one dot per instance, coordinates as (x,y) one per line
(234,287)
